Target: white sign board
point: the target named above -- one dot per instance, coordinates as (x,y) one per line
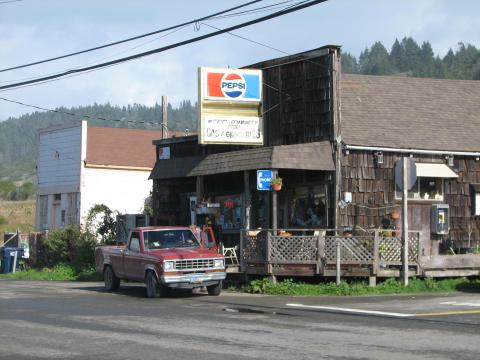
(230,106)
(231,129)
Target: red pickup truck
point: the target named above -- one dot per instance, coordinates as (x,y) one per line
(164,258)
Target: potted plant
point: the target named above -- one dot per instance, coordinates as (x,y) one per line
(276,183)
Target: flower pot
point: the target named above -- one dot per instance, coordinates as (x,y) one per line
(277,187)
(395,215)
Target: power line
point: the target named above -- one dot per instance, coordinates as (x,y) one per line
(130,39)
(264,45)
(168,47)
(79,115)
(9,1)
(264,8)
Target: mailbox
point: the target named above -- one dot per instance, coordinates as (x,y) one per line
(440,218)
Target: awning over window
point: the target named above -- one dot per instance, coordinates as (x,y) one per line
(435,170)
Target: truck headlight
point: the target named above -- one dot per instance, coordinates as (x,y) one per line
(218,263)
(168,265)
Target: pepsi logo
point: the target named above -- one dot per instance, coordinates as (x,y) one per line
(233,85)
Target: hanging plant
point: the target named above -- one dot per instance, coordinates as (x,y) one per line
(276,183)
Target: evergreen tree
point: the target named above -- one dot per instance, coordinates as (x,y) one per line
(349,64)
(398,58)
(376,61)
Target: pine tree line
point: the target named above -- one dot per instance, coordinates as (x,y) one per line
(408,58)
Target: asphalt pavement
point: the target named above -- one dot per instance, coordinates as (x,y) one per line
(59,320)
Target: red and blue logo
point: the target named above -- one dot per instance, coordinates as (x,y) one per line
(233,85)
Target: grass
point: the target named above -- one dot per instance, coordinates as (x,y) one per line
(17,215)
(389,286)
(60,272)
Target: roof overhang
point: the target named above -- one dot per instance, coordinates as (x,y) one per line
(435,170)
(309,156)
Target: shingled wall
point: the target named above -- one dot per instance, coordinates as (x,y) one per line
(373,198)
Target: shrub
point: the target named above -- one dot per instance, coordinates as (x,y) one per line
(72,246)
(101,222)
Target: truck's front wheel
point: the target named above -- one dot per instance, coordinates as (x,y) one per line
(215,290)
(154,288)
(112,282)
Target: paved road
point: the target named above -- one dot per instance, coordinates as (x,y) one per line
(80,321)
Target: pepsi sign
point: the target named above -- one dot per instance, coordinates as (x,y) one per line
(232,85)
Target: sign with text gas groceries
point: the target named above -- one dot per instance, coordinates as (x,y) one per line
(230,104)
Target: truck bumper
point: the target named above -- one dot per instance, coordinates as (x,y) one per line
(192,280)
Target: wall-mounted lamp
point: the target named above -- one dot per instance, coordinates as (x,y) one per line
(477,158)
(378,157)
(347,151)
(450,160)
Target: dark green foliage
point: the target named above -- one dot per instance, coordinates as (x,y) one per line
(389,286)
(71,245)
(101,222)
(25,191)
(408,58)
(7,190)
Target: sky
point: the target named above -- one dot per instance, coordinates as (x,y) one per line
(32,30)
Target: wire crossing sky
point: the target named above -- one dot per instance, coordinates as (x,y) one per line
(33,30)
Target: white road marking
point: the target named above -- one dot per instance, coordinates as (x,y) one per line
(474,304)
(348,310)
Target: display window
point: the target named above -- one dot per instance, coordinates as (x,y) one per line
(230,215)
(425,188)
(308,206)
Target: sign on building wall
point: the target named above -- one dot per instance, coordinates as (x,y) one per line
(230,106)
(263,179)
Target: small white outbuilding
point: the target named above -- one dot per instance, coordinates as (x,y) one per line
(80,165)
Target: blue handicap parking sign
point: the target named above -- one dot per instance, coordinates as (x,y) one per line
(263,179)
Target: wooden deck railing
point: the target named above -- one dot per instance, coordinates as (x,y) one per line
(267,250)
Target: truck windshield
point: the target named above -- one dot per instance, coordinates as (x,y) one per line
(163,239)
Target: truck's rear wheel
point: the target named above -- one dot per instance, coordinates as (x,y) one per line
(154,288)
(112,282)
(215,290)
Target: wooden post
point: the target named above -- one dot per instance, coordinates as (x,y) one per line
(242,240)
(274,203)
(199,188)
(248,200)
(164,117)
(320,253)
(405,223)
(272,277)
(338,263)
(376,253)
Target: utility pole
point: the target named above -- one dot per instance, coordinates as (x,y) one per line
(164,117)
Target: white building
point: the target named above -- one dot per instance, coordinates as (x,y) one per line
(80,165)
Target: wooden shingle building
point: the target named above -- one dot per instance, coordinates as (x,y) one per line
(334,140)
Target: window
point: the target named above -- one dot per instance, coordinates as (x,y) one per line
(57,197)
(230,215)
(425,188)
(135,242)
(164,239)
(308,206)
(475,196)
